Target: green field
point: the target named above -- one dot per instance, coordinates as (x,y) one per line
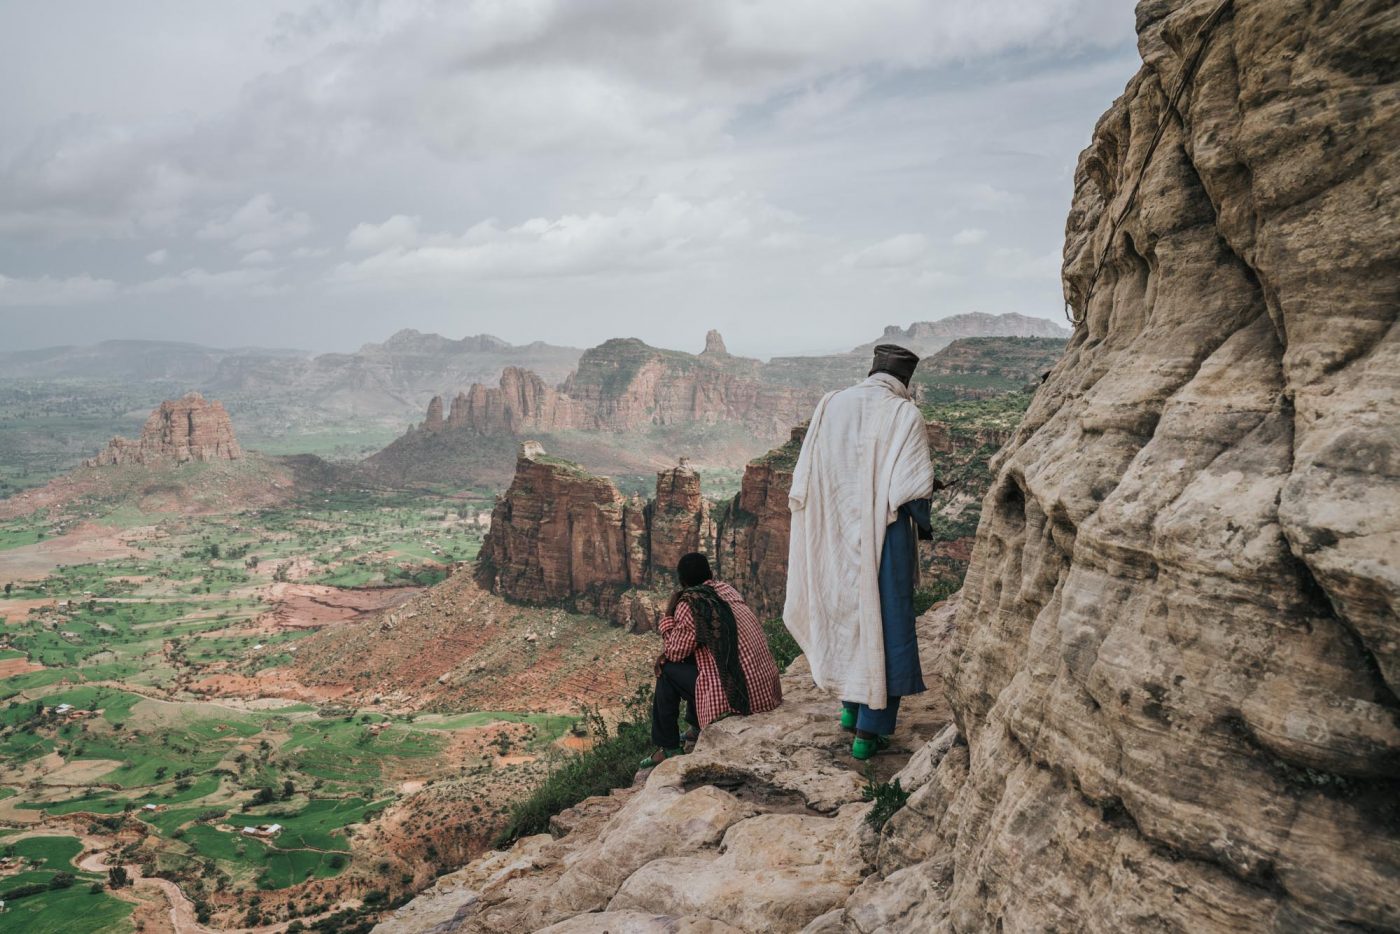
(128,747)
(57,908)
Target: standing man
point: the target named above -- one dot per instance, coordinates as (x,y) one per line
(859,492)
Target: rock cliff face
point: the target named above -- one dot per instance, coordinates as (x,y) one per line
(1178,641)
(1174,670)
(751,531)
(178,431)
(560,535)
(678,521)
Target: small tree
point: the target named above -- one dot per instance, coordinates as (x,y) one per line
(289,788)
(117,877)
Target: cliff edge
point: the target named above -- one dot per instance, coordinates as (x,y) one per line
(1173,674)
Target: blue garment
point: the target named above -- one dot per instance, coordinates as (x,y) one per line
(899,568)
(878,722)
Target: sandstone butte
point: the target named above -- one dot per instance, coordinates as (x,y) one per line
(178,431)
(1171,676)
(560,535)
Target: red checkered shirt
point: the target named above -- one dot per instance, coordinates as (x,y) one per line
(760,671)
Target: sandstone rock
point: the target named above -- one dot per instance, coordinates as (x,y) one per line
(678,520)
(556,536)
(1175,671)
(562,535)
(761,828)
(178,431)
(714,343)
(637,922)
(751,530)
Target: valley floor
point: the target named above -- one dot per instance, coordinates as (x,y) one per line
(156,713)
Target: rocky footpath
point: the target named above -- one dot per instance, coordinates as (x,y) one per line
(762,828)
(561,536)
(178,431)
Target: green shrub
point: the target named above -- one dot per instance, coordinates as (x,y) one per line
(889,797)
(781,643)
(611,762)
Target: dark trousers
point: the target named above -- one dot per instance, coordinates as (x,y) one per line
(675,684)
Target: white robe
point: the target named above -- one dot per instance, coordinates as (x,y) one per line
(866,454)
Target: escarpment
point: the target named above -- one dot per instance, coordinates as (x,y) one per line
(1173,672)
(178,431)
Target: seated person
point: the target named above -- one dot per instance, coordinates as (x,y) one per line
(714,656)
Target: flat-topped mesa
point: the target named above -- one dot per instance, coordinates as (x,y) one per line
(178,431)
(560,535)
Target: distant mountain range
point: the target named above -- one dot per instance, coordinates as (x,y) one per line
(281,398)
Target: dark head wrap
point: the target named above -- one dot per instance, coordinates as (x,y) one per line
(896,361)
(717,631)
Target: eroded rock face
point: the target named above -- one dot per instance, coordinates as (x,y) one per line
(178,431)
(560,535)
(1178,642)
(678,520)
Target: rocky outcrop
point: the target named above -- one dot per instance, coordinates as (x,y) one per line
(678,520)
(178,431)
(751,530)
(762,828)
(561,536)
(521,404)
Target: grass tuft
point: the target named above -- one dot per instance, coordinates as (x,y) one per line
(781,643)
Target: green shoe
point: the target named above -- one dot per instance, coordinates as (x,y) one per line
(848,719)
(660,756)
(863,749)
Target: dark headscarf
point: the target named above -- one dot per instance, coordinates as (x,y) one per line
(896,361)
(717,631)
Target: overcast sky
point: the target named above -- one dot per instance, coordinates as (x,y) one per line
(797,173)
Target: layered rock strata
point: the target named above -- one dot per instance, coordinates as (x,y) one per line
(178,431)
(560,535)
